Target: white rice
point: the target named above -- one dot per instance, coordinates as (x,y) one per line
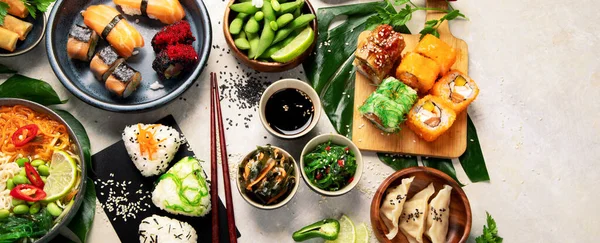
(163,229)
(161,158)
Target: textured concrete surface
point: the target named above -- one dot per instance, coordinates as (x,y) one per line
(538,67)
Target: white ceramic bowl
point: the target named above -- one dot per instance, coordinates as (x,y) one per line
(339,140)
(274,206)
(290,84)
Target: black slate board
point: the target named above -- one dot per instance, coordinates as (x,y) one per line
(113,163)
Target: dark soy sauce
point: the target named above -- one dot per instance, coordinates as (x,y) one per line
(289,111)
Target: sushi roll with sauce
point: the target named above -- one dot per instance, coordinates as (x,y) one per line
(389,104)
(418,72)
(177,33)
(377,52)
(430,118)
(457,89)
(82,43)
(123,80)
(167,11)
(174,60)
(151,146)
(436,49)
(156,229)
(183,189)
(104,63)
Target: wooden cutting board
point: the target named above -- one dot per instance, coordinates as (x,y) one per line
(451,144)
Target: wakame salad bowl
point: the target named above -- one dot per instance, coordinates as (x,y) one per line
(76,148)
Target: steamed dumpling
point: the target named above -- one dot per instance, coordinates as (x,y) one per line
(437,218)
(393,204)
(412,222)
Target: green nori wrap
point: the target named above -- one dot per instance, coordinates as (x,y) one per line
(388,105)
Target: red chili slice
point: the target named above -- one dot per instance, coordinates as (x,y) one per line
(33,194)
(350,180)
(341,163)
(33,176)
(24,135)
(327,148)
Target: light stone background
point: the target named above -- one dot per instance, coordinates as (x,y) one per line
(538,67)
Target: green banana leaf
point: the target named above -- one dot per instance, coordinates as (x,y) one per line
(444,165)
(5,70)
(330,68)
(332,74)
(19,86)
(398,162)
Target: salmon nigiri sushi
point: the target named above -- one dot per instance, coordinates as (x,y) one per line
(109,23)
(167,11)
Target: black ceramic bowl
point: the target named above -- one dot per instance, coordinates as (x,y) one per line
(79,80)
(34,37)
(82,183)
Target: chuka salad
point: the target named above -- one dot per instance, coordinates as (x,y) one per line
(330,167)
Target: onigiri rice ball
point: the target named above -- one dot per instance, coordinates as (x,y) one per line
(183,189)
(151,147)
(164,229)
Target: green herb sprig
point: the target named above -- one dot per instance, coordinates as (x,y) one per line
(397,20)
(490,232)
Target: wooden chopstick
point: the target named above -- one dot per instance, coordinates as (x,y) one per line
(214,188)
(224,164)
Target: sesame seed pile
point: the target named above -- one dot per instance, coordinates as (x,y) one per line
(118,200)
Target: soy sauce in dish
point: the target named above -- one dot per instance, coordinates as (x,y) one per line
(289,111)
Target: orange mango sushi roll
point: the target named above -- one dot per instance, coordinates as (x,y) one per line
(418,72)
(457,89)
(109,23)
(166,11)
(430,117)
(17,8)
(434,48)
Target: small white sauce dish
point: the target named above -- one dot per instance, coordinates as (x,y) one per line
(290,84)
(338,140)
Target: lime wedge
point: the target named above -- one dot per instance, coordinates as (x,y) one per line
(347,231)
(362,233)
(63,173)
(298,45)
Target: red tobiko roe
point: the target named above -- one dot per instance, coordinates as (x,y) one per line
(177,33)
(181,52)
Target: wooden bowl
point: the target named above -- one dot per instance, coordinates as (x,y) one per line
(460,210)
(268,66)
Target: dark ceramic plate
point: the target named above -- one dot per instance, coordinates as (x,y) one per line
(34,37)
(79,80)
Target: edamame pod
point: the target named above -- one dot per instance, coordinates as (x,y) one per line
(284,19)
(4,213)
(35,208)
(21,161)
(244,7)
(274,25)
(299,22)
(16,202)
(290,7)
(20,179)
(21,209)
(43,170)
(298,10)
(10,184)
(37,162)
(275,5)
(241,42)
(252,26)
(253,40)
(53,209)
(258,16)
(236,25)
(266,39)
(268,10)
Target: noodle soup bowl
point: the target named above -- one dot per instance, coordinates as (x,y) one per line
(71,210)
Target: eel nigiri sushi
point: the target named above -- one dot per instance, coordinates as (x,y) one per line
(109,23)
(123,80)
(377,52)
(104,63)
(457,89)
(177,33)
(430,118)
(82,43)
(183,189)
(151,146)
(164,229)
(167,11)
